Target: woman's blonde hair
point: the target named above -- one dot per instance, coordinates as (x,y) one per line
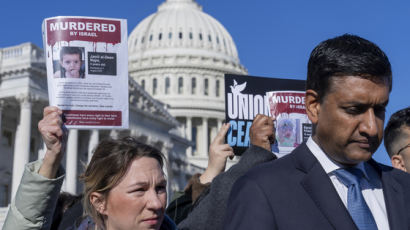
(110,162)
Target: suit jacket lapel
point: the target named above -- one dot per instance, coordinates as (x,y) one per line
(319,187)
(393,197)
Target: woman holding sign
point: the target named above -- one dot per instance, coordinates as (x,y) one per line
(125,186)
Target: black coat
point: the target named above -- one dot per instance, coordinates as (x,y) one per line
(295,192)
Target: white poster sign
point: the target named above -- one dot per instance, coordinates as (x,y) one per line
(87,70)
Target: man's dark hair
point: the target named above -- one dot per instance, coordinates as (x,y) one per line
(392,132)
(70,50)
(346,55)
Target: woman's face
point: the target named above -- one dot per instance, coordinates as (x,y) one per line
(139,200)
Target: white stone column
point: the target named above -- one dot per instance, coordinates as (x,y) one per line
(189,133)
(1,113)
(71,162)
(21,142)
(204,150)
(212,86)
(200,86)
(212,133)
(219,124)
(187,86)
(174,84)
(92,143)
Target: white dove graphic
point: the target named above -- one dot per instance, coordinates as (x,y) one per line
(236,89)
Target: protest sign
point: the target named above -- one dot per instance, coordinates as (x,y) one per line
(292,123)
(245,97)
(87,70)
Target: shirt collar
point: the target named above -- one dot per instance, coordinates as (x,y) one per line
(326,162)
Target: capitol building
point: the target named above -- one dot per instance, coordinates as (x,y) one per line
(177,60)
(179,55)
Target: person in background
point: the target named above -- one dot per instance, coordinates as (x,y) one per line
(397,139)
(219,152)
(208,210)
(64,202)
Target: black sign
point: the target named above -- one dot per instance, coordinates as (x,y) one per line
(245,97)
(102,63)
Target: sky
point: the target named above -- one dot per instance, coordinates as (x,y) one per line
(274,38)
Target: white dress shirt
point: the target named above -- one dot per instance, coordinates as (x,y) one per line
(371,185)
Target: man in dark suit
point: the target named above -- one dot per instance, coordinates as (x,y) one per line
(331,182)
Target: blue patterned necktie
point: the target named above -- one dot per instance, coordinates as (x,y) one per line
(356,205)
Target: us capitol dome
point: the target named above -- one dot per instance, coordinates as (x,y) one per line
(179,55)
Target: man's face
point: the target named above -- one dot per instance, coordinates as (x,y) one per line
(349,120)
(72,64)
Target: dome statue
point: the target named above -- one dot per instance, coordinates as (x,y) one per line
(180,55)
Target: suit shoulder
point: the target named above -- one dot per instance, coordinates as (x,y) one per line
(400,176)
(272,169)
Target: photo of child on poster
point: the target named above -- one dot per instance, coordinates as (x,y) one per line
(292,124)
(69,62)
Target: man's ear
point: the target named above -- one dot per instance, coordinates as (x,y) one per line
(98,202)
(312,105)
(397,162)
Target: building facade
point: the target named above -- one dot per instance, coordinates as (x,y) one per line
(177,60)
